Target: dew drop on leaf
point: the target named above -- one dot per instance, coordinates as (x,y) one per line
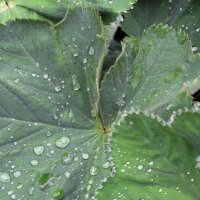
(38,150)
(140,167)
(46,76)
(19,186)
(84,60)
(93,113)
(62,142)
(67,174)
(4,177)
(17,80)
(71,114)
(57,88)
(31,190)
(76,85)
(106,165)
(34,162)
(94,171)
(75,54)
(91,51)
(17,174)
(73,39)
(85,156)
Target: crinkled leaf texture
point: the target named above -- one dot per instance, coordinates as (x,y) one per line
(56,9)
(154,161)
(12,11)
(151,74)
(184,15)
(51,145)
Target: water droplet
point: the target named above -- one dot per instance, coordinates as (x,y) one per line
(91,51)
(151,163)
(67,174)
(17,174)
(140,167)
(85,156)
(197,30)
(76,85)
(34,162)
(106,165)
(17,80)
(66,159)
(88,188)
(84,60)
(73,39)
(46,76)
(19,186)
(194,49)
(75,54)
(198,158)
(4,177)
(38,150)
(62,142)
(71,114)
(13,196)
(94,171)
(57,88)
(93,113)
(31,190)
(120,102)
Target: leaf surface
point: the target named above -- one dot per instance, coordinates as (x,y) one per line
(56,9)
(184,15)
(51,143)
(155,162)
(149,74)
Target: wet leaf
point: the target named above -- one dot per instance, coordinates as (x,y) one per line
(51,140)
(184,15)
(150,73)
(155,161)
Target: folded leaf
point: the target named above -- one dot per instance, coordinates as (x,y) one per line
(149,74)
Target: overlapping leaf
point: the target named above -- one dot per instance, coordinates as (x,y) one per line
(182,14)
(55,9)
(51,144)
(12,12)
(154,161)
(149,74)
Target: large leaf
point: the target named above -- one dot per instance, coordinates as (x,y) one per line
(57,8)
(51,144)
(149,74)
(181,14)
(155,162)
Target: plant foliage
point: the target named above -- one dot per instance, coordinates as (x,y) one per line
(70,129)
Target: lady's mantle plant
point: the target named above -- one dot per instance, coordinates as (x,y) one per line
(64,129)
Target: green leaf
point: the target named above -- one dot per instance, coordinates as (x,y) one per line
(154,161)
(51,144)
(12,12)
(149,74)
(57,8)
(183,15)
